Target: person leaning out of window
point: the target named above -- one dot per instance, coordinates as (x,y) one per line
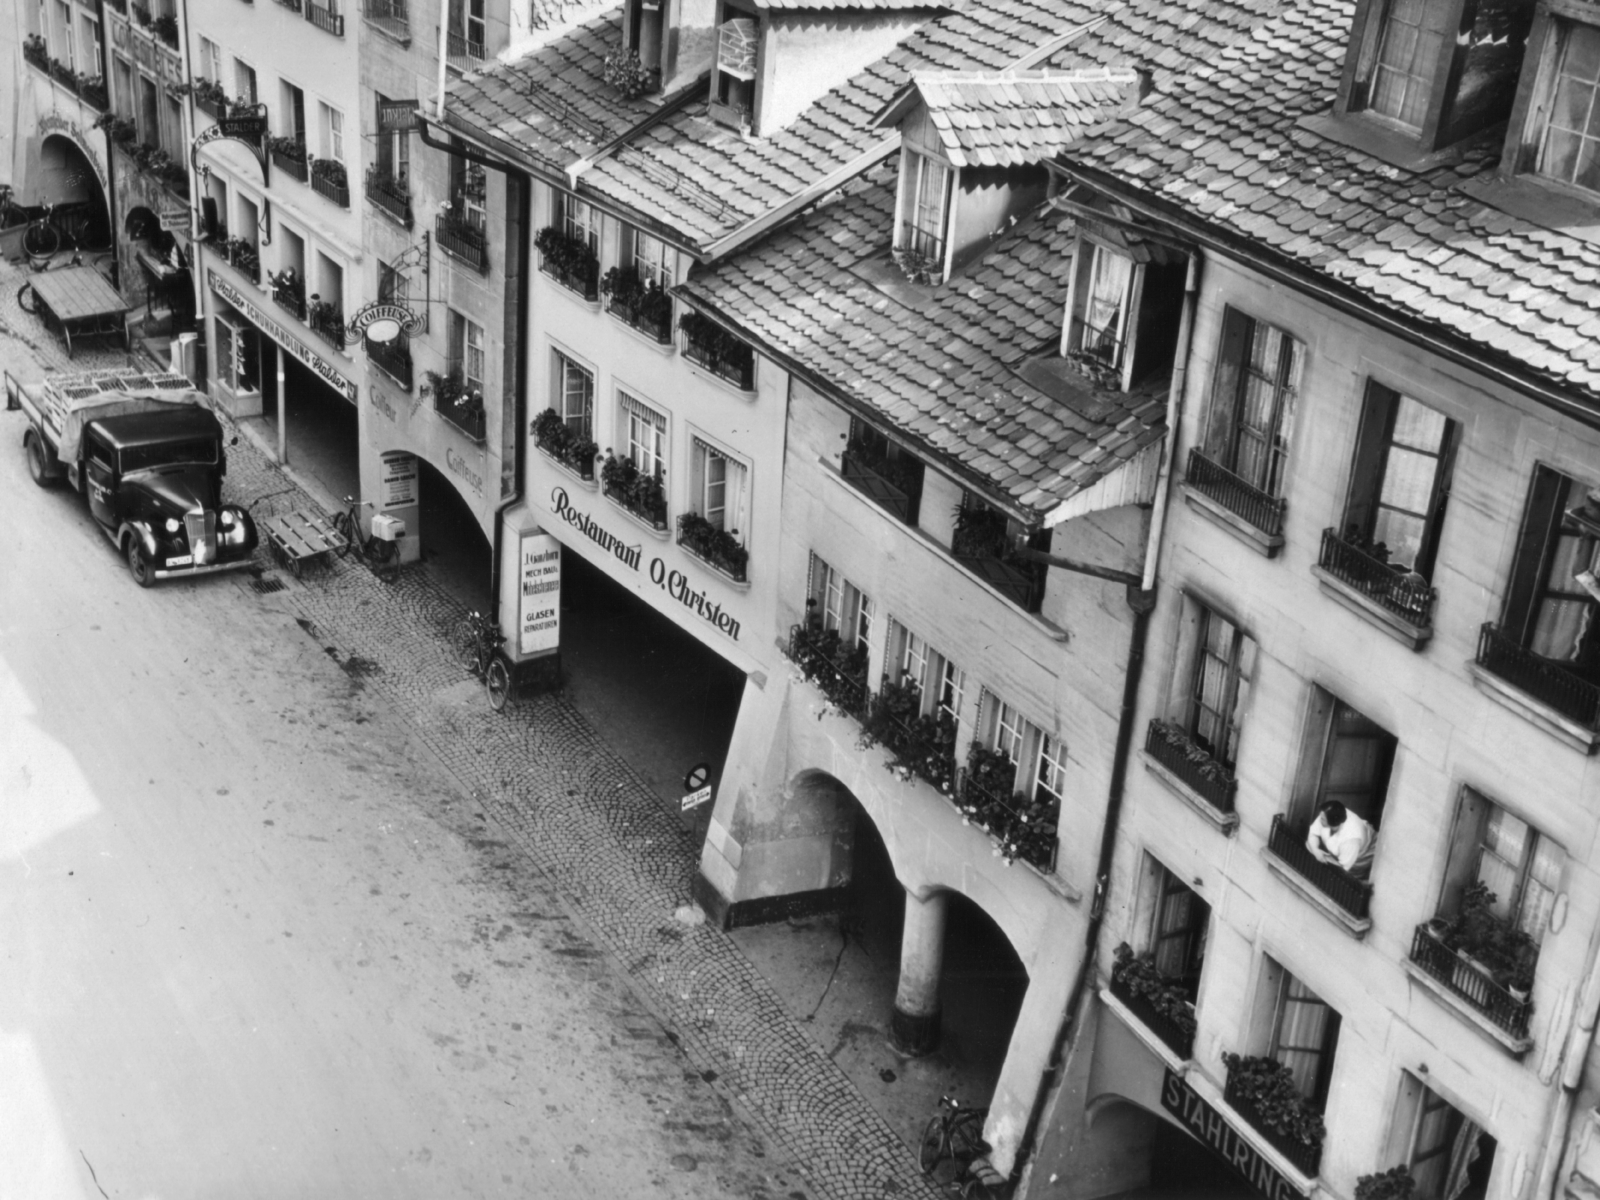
(1342,839)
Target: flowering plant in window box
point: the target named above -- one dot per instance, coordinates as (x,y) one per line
(918,267)
(1137,974)
(922,743)
(1095,367)
(1498,947)
(452,391)
(1266,1088)
(714,348)
(558,439)
(569,259)
(625,71)
(642,303)
(1203,764)
(719,547)
(165,27)
(331,170)
(641,494)
(291,148)
(122,130)
(1394,1184)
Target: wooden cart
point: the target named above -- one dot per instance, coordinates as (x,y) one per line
(77,302)
(300,537)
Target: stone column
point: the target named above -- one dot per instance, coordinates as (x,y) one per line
(914,1026)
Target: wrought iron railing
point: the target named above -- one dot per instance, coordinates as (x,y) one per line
(292,162)
(583,278)
(738,367)
(327,323)
(1288,842)
(1197,770)
(389,195)
(1177,1038)
(1234,494)
(1023,585)
(1546,680)
(394,12)
(393,358)
(457,46)
(656,325)
(35,52)
(463,240)
(324,18)
(706,542)
(332,184)
(1404,593)
(291,300)
(470,419)
(246,261)
(817,652)
(933,762)
(1469,981)
(1306,1157)
(865,477)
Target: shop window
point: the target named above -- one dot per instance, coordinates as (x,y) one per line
(237,356)
(1305,1037)
(1400,481)
(244,82)
(734,78)
(923,227)
(575,390)
(1450,1156)
(646,431)
(1563,140)
(837,604)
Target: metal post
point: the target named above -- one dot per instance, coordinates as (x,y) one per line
(283,410)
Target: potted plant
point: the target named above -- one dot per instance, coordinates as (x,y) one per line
(639,493)
(1136,975)
(165,27)
(1394,1184)
(917,267)
(569,259)
(625,71)
(1264,1088)
(559,440)
(643,303)
(717,546)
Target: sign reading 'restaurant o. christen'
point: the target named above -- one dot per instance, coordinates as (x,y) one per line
(673,582)
(1210,1127)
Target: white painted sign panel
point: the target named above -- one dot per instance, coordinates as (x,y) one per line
(397,481)
(539,615)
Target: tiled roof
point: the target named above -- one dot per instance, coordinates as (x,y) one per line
(552,107)
(1018,118)
(942,369)
(1224,144)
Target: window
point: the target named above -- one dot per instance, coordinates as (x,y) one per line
(1105,310)
(93,49)
(646,431)
(467,29)
(1400,481)
(1040,759)
(1224,662)
(149,111)
(125,100)
(466,350)
(1450,1155)
(1178,933)
(717,485)
(655,261)
(393,146)
(1414,31)
(1520,865)
(644,31)
(210,60)
(1253,400)
(64,24)
(578,220)
(172,127)
(840,605)
(1305,1034)
(236,355)
(393,287)
(244,80)
(733,90)
(469,188)
(1123,308)
(1355,763)
(575,393)
(294,113)
(1569,144)
(888,473)
(925,185)
(1551,604)
(912,662)
(332,132)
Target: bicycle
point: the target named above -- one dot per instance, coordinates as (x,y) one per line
(380,554)
(955,1134)
(476,642)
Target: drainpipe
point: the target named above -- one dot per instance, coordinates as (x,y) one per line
(1141,600)
(1572,1060)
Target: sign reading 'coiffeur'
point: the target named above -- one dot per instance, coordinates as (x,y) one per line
(1212,1128)
(383,321)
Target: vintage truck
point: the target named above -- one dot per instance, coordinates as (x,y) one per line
(148,453)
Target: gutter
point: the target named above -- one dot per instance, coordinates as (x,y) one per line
(1142,600)
(1341,297)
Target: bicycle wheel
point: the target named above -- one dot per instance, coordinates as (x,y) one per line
(932,1147)
(344,528)
(966,1135)
(28,300)
(497,682)
(41,238)
(464,644)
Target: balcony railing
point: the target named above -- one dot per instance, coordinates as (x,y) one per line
(1175,750)
(840,672)
(292,162)
(653,324)
(292,5)
(462,239)
(325,19)
(924,745)
(389,195)
(1249,503)
(1288,842)
(244,259)
(457,46)
(469,418)
(333,184)
(1179,1040)
(720,353)
(715,547)
(327,322)
(1546,680)
(580,277)
(1306,1157)
(1473,984)
(291,300)
(393,358)
(394,13)
(1023,585)
(1406,594)
(869,477)
(37,53)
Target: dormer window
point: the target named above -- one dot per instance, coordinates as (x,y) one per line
(1408,54)
(1105,311)
(920,233)
(1122,310)
(733,85)
(1569,142)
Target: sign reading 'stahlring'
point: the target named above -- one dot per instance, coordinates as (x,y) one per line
(670,580)
(1209,1126)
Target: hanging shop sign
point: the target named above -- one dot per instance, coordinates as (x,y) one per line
(247,126)
(323,369)
(539,597)
(383,321)
(1207,1125)
(397,116)
(397,480)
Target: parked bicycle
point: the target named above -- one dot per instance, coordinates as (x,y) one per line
(954,1135)
(380,554)
(476,642)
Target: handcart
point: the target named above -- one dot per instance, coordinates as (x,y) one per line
(77,302)
(300,537)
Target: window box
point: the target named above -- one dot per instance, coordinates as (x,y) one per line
(328,178)
(1024,828)
(1176,751)
(923,743)
(557,439)
(1568,697)
(63,74)
(709,346)
(1352,896)
(210,99)
(887,475)
(1263,514)
(457,401)
(635,491)
(325,19)
(1163,1005)
(1468,981)
(165,27)
(462,239)
(393,359)
(1399,602)
(92,90)
(36,52)
(327,322)
(839,671)
(715,547)
(289,156)
(982,542)
(1262,1091)
(389,195)
(570,261)
(642,304)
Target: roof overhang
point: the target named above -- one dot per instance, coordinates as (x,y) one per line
(1134,482)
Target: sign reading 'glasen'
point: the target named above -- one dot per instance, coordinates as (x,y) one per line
(1210,1127)
(539,616)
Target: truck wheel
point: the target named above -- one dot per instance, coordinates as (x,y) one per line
(139,562)
(39,463)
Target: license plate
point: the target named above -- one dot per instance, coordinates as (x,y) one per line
(180,560)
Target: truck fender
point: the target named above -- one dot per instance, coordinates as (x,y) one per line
(140,530)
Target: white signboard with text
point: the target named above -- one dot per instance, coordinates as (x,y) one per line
(539,606)
(398,481)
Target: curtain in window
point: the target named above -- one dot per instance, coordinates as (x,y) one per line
(1272,370)
(1304,1030)
(577,397)
(1541,888)
(647,435)
(1409,477)
(1567,611)
(1464,1152)
(1109,277)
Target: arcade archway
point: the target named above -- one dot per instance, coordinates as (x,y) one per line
(70,185)
(451,539)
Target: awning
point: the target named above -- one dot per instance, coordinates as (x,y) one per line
(1134,482)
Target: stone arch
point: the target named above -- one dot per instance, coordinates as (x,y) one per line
(70,179)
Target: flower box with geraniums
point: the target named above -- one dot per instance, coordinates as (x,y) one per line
(1164,1005)
(1171,746)
(456,400)
(711,544)
(569,261)
(642,303)
(122,130)
(1394,1184)
(922,744)
(1262,1090)
(625,71)
(562,443)
(329,178)
(641,494)
(289,154)
(838,671)
(710,346)
(1024,827)
(1493,946)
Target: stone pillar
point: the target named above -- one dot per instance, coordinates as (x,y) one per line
(914,1026)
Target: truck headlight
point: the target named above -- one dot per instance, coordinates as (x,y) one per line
(173,525)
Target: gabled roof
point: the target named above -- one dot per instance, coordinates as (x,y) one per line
(1015,118)
(1224,147)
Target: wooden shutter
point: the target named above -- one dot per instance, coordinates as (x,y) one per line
(1224,415)
(1545,496)
(1461,859)
(1372,448)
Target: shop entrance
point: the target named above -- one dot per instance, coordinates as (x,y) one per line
(315,426)
(453,544)
(654,692)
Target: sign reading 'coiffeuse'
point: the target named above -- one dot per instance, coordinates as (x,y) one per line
(1210,1127)
(675,583)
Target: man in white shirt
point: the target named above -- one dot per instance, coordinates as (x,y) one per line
(1342,839)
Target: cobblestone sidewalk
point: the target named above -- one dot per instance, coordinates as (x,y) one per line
(592,825)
